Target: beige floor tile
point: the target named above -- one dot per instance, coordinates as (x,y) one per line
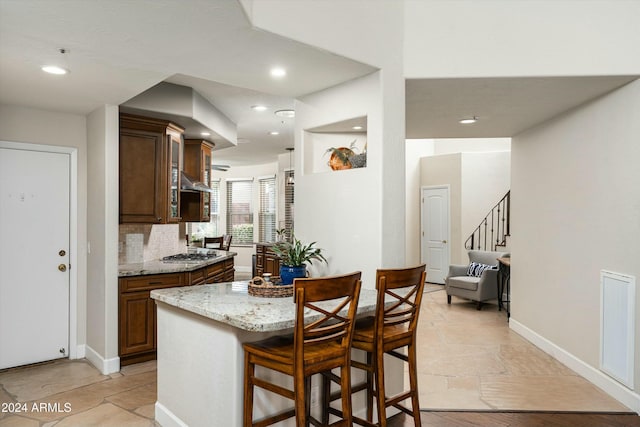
(17,421)
(38,382)
(463,383)
(147,411)
(136,397)
(105,415)
(139,368)
(529,360)
(553,393)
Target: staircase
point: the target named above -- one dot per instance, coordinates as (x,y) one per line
(492,233)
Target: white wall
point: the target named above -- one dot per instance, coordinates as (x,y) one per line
(576,210)
(493,38)
(102,213)
(360,211)
(470,145)
(486,178)
(477,181)
(341,209)
(416,149)
(28,125)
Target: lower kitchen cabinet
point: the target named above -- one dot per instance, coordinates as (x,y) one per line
(137,311)
(266,260)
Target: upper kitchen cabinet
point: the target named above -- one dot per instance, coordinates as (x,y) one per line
(195,199)
(150,165)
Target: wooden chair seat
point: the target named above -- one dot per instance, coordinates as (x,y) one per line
(393,327)
(316,346)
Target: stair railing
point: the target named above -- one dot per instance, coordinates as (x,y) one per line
(493,229)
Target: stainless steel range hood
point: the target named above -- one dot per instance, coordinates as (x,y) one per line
(192,185)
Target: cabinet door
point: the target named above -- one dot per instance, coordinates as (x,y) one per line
(272,264)
(175,165)
(137,323)
(141,153)
(150,164)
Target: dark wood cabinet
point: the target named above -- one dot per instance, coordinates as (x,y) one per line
(150,165)
(195,206)
(137,310)
(266,260)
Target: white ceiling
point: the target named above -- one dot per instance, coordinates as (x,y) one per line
(120,48)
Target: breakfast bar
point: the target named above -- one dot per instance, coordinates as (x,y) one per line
(200,357)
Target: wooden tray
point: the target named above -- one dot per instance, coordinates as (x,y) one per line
(259,288)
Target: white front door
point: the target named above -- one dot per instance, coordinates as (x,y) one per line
(435,232)
(34,256)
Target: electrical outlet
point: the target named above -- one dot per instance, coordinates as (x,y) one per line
(315,396)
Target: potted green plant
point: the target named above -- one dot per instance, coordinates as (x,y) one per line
(294,256)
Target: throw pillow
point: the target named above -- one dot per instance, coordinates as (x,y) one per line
(475,269)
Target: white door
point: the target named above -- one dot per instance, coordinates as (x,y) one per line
(34,256)
(435,232)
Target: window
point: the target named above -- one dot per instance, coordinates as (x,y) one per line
(240,211)
(214,214)
(267,214)
(288,204)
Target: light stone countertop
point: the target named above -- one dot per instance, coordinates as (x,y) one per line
(160,267)
(230,303)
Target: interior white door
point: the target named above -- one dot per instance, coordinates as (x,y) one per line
(435,232)
(34,256)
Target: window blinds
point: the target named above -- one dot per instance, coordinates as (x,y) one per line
(267,215)
(240,211)
(288,205)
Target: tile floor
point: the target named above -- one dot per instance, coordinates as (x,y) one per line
(467,360)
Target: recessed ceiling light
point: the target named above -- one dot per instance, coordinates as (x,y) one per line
(259,107)
(278,72)
(61,60)
(54,69)
(285,113)
(274,133)
(205,133)
(357,128)
(469,120)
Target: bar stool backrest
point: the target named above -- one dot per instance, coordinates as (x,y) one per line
(334,301)
(399,298)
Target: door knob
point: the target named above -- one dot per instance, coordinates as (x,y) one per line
(62,267)
(62,252)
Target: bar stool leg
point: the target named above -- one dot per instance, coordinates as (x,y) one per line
(380,391)
(249,372)
(370,392)
(413,383)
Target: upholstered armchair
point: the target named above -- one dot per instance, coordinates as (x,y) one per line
(475,281)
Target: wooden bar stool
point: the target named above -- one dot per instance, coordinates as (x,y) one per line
(324,343)
(213,241)
(393,327)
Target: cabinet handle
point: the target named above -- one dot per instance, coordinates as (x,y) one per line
(159,219)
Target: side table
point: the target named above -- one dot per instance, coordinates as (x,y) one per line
(504,284)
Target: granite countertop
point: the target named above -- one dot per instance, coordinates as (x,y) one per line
(230,303)
(160,267)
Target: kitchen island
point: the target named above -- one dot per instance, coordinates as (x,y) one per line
(200,358)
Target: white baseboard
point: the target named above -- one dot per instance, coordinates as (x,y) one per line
(610,386)
(105,366)
(80,352)
(166,418)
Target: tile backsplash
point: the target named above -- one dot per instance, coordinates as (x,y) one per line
(148,242)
